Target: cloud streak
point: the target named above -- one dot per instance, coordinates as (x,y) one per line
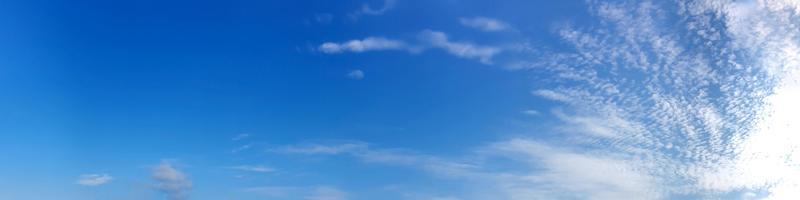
(94,179)
(363,45)
(459,49)
(485,24)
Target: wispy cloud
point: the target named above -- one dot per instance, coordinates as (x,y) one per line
(428,40)
(485,24)
(366,9)
(331,149)
(240,137)
(584,175)
(531,112)
(683,98)
(356,74)
(172,182)
(363,45)
(94,179)
(460,49)
(252,168)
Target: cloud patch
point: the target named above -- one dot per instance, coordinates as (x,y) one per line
(485,24)
(363,45)
(94,179)
(459,49)
(252,168)
(174,183)
(356,74)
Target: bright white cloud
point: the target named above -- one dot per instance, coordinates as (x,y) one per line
(364,45)
(172,182)
(355,74)
(460,49)
(485,24)
(94,179)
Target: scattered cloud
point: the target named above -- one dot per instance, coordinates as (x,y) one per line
(662,99)
(428,39)
(485,24)
(531,112)
(552,95)
(94,179)
(240,137)
(355,74)
(172,182)
(252,168)
(332,149)
(460,49)
(368,10)
(364,45)
(242,148)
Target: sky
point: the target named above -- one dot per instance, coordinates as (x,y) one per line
(399,99)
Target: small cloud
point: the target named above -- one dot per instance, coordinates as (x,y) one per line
(250,168)
(240,137)
(552,95)
(322,149)
(94,179)
(460,49)
(485,24)
(531,112)
(171,181)
(358,46)
(241,148)
(367,10)
(355,74)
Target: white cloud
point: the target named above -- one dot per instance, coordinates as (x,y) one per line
(367,10)
(695,101)
(252,168)
(582,175)
(94,179)
(171,181)
(241,148)
(460,49)
(355,74)
(366,44)
(429,39)
(485,24)
(552,95)
(531,112)
(332,149)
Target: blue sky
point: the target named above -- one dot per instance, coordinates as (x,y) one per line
(396,99)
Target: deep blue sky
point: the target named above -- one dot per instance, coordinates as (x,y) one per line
(389,99)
